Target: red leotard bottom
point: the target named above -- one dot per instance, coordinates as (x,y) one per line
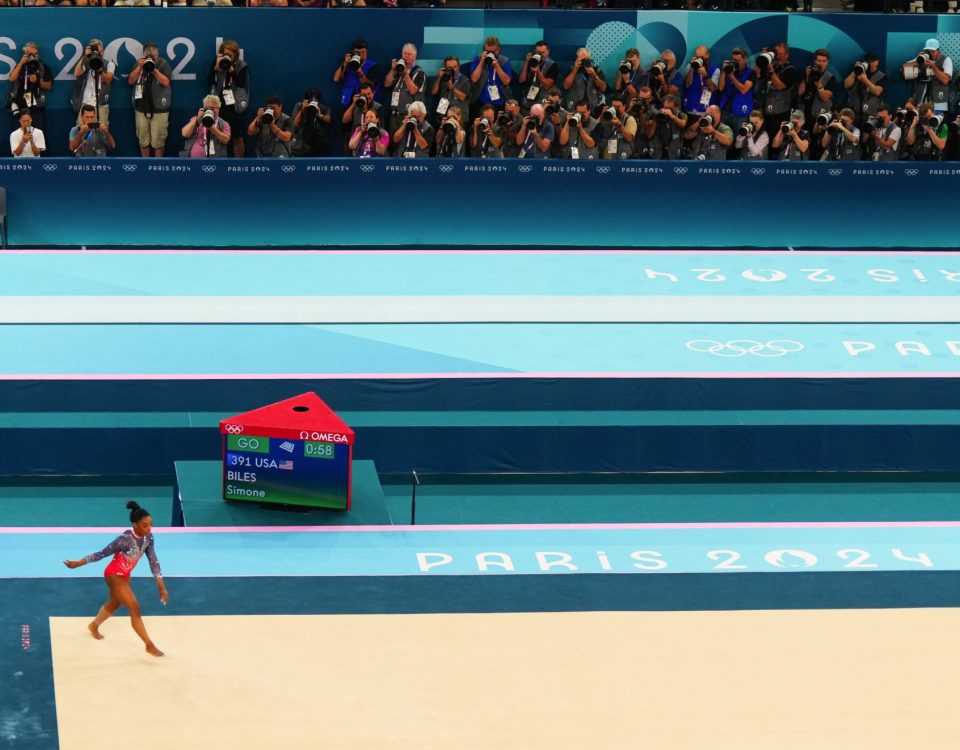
(115,569)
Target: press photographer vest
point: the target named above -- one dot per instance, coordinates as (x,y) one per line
(219,149)
(241,96)
(887,154)
(842,149)
(710,148)
(270,146)
(76,93)
(161,98)
(94,145)
(860,100)
(584,88)
(621,149)
(692,96)
(813,104)
(932,91)
(924,148)
(789,150)
(531,95)
(576,142)
(778,101)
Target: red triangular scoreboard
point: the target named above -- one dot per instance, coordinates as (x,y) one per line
(293,452)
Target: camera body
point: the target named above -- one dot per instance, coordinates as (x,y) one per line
(706,121)
(361,103)
(504,119)
(489,58)
(728,66)
(860,67)
(551,107)
(446,74)
(816,72)
(224,63)
(586,63)
(33,65)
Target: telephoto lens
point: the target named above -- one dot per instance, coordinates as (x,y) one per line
(696,63)
(728,66)
(266,119)
(765,60)
(208,118)
(706,121)
(625,68)
(658,68)
(608,114)
(361,102)
(859,68)
(373,130)
(449,127)
(786,127)
(149,66)
(535,59)
(823,119)
(94,61)
(574,120)
(746,129)
(355,62)
(484,125)
(400,67)
(225,63)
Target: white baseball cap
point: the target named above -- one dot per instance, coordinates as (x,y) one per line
(931,44)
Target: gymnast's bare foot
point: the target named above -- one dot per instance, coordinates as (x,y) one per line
(153,650)
(94,631)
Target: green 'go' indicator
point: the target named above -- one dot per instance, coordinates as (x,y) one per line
(248,443)
(318,450)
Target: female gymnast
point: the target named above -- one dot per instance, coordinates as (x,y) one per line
(127,549)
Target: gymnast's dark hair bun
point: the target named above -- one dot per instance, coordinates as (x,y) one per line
(136,512)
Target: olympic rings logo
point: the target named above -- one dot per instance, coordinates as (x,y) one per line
(679,170)
(524,168)
(288,168)
(603,169)
(209,168)
(129,167)
(50,167)
(446,168)
(366,167)
(834,172)
(233,429)
(911,172)
(742,347)
(758,171)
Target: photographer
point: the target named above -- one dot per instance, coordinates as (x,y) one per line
(274,130)
(451,136)
(644,112)
(927,135)
(700,83)
(735,89)
(406,82)
(618,131)
(94,76)
(886,136)
(310,121)
(356,70)
(708,137)
(663,77)
(511,120)
(26,140)
(30,80)
(818,89)
(539,73)
(413,136)
(752,139)
(903,118)
(841,141)
(487,134)
(229,80)
(536,134)
(206,134)
(864,85)
(931,72)
(578,134)
(491,72)
(777,82)
(670,123)
(90,138)
(452,88)
(630,74)
(792,142)
(369,139)
(584,82)
(151,100)
(362,101)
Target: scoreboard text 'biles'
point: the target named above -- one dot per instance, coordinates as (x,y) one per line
(293,452)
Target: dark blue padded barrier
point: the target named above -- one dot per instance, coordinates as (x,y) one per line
(833,443)
(389,202)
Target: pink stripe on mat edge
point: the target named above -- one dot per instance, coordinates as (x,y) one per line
(572,251)
(499,527)
(462,375)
